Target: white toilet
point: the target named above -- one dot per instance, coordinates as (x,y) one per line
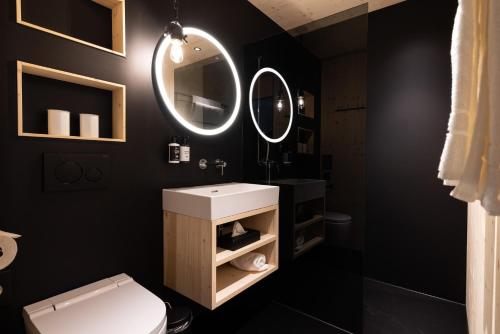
(115,305)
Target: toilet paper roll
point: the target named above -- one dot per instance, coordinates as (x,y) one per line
(8,247)
(8,234)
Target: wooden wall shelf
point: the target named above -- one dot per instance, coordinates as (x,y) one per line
(117,22)
(314,220)
(195,267)
(305,141)
(118,96)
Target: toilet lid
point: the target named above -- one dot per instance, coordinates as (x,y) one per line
(113,305)
(337,217)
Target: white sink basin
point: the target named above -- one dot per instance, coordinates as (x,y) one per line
(219,200)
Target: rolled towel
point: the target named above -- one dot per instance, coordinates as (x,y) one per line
(251,262)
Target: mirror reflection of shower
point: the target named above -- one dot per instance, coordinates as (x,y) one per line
(271,108)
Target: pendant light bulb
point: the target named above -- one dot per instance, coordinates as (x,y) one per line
(301,102)
(176,53)
(279,105)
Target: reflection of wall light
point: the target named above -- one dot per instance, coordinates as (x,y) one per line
(279,104)
(301,102)
(250,102)
(158,67)
(197,49)
(207,103)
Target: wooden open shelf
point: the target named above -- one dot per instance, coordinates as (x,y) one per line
(226,255)
(118,93)
(308,245)
(232,281)
(195,267)
(305,141)
(313,220)
(117,22)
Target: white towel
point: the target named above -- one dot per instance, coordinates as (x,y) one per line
(251,262)
(471,155)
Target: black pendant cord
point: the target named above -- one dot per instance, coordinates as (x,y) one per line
(175,4)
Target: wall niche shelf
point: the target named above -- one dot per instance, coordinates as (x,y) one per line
(117,8)
(117,91)
(305,141)
(195,267)
(302,215)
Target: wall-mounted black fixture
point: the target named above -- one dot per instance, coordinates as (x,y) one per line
(75,171)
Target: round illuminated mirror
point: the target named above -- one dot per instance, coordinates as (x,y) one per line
(271,105)
(197,82)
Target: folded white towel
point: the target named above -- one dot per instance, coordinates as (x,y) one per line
(251,262)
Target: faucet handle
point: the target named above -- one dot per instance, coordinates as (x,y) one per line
(220,164)
(203,163)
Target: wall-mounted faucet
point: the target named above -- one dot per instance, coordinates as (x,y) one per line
(219,164)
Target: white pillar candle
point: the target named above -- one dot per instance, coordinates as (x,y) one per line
(58,122)
(89,125)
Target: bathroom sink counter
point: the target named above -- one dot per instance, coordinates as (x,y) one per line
(219,200)
(193,264)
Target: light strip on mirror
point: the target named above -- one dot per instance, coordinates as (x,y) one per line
(158,67)
(250,102)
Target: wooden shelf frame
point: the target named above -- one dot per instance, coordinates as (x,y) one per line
(197,269)
(236,281)
(308,245)
(117,23)
(225,255)
(118,97)
(313,220)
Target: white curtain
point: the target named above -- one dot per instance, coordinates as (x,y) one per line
(471,157)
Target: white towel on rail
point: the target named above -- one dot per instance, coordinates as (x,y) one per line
(251,262)
(471,155)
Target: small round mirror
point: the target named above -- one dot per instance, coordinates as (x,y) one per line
(271,105)
(197,82)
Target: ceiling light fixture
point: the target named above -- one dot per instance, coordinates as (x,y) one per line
(177,37)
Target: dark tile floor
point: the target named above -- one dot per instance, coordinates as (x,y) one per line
(393,310)
(278,318)
(324,292)
(387,310)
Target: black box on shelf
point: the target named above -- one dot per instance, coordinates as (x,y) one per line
(227,241)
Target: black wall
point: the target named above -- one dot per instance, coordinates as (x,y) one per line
(74,238)
(416,233)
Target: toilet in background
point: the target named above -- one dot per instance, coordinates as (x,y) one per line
(338,229)
(113,305)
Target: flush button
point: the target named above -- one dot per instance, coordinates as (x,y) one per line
(68,172)
(93,174)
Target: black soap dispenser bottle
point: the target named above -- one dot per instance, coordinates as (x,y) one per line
(174,151)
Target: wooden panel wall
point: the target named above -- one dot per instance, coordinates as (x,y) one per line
(483,271)
(343,115)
